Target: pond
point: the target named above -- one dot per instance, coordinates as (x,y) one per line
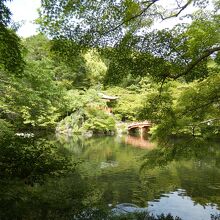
(124,175)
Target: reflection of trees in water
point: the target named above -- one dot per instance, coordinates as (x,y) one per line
(192,165)
(75,143)
(180,164)
(119,177)
(186,149)
(56,198)
(107,149)
(138,141)
(39,180)
(31,160)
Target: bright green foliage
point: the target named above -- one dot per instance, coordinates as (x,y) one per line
(85,113)
(98,122)
(132,8)
(128,104)
(75,66)
(205,28)
(31,161)
(45,93)
(95,67)
(34,99)
(132,53)
(87,119)
(185,109)
(6,130)
(79,99)
(198,106)
(72,123)
(199,96)
(11,62)
(106,46)
(38,49)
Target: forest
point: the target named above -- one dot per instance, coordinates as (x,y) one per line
(167,76)
(53,82)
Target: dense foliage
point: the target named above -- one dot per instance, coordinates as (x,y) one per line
(66,74)
(88,50)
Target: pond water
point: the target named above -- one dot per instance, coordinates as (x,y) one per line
(123,174)
(187,185)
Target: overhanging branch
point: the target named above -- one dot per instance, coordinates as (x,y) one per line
(193,64)
(215,99)
(131,18)
(180,8)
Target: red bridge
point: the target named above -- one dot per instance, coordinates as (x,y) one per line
(139,125)
(142,126)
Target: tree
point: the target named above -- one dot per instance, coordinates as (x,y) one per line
(10,45)
(121,31)
(11,58)
(124,24)
(105,22)
(34,99)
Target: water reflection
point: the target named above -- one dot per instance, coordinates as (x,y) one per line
(39,180)
(109,175)
(192,165)
(139,141)
(175,204)
(178,204)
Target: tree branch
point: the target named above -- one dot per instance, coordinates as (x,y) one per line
(152,2)
(202,122)
(178,4)
(181,8)
(207,121)
(214,99)
(131,18)
(161,86)
(193,64)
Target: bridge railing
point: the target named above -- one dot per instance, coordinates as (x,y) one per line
(138,124)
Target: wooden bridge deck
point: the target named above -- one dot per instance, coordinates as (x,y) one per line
(139,125)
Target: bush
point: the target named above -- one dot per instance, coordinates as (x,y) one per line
(6,129)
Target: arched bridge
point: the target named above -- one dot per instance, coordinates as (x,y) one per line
(141,126)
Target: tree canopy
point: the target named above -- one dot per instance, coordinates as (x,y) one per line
(10,46)
(126,26)
(60,80)
(169,75)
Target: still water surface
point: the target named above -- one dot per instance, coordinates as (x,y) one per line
(121,174)
(183,180)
